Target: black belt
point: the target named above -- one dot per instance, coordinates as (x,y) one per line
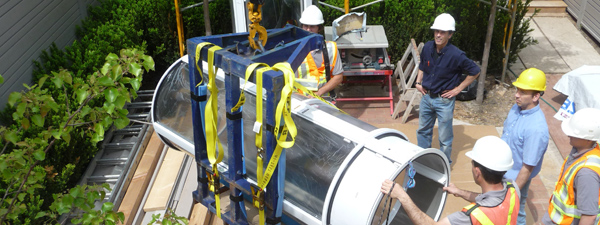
(433,95)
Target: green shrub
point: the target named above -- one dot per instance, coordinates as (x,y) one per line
(113,25)
(408,19)
(50,134)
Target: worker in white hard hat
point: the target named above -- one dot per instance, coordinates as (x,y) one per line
(312,73)
(498,201)
(439,80)
(576,197)
(526,132)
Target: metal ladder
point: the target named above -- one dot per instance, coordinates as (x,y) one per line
(116,161)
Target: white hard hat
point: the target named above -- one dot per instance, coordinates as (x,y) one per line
(312,16)
(492,152)
(444,22)
(584,124)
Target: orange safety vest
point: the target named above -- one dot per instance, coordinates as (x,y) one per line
(313,77)
(562,209)
(504,213)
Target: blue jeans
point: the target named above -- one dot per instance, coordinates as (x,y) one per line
(521,219)
(441,109)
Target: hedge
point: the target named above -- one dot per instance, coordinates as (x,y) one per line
(406,19)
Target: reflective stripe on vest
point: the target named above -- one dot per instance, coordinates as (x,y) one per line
(562,209)
(313,77)
(504,213)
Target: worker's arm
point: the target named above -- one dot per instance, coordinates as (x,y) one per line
(523,175)
(414,213)
(454,92)
(587,189)
(330,85)
(587,219)
(420,80)
(466,195)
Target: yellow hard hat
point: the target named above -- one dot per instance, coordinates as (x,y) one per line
(531,79)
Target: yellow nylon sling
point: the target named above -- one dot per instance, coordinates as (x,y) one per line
(210,120)
(296,85)
(257,198)
(283,110)
(303,89)
(198,58)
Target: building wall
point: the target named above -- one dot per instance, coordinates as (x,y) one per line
(587,14)
(27,28)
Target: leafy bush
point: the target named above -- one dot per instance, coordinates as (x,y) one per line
(32,169)
(150,25)
(408,19)
(113,25)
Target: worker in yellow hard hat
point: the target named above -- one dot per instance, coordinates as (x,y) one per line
(576,196)
(312,73)
(526,132)
(497,204)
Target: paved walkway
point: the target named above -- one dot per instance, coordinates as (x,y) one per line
(561,48)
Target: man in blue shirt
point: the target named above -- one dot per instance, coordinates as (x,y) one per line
(440,69)
(526,132)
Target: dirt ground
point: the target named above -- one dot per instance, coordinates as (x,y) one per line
(498,100)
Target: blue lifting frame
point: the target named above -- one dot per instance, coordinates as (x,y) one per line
(290,44)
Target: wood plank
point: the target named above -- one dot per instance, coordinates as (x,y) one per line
(200,215)
(141,178)
(163,184)
(217,221)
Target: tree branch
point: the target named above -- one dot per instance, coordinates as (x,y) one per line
(37,162)
(67,99)
(79,124)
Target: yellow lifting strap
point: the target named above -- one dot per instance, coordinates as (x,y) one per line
(281,132)
(214,148)
(283,111)
(199,58)
(303,89)
(296,86)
